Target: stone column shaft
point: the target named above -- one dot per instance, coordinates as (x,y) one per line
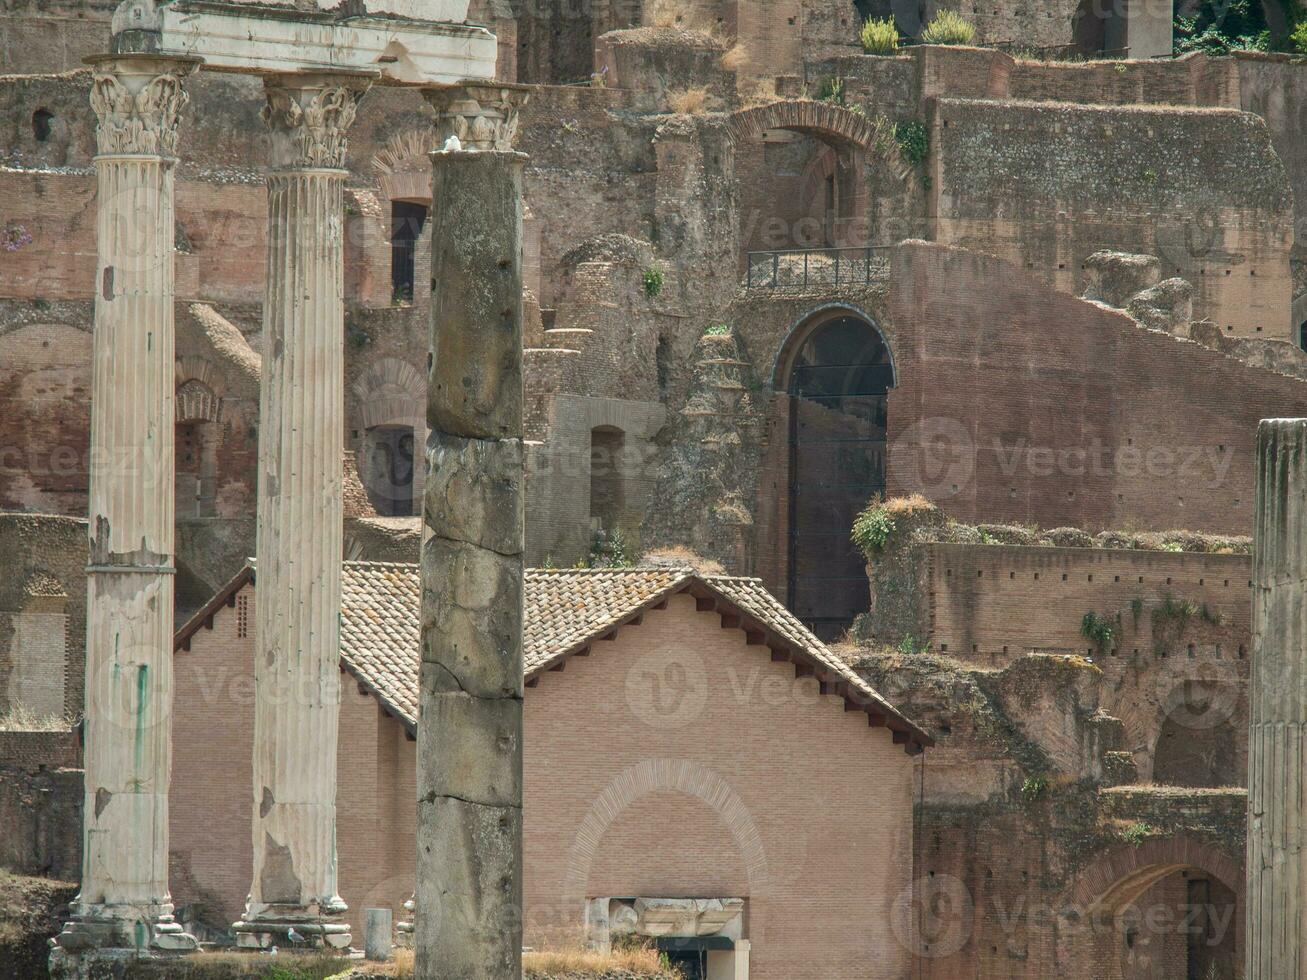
(1276,937)
(299,546)
(469,877)
(124,901)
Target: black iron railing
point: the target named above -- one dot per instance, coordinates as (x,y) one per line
(798,268)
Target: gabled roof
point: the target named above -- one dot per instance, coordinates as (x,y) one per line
(566,613)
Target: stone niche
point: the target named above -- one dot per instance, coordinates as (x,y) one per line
(33,649)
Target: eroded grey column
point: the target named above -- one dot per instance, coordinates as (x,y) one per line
(124,902)
(299,536)
(469,878)
(1276,940)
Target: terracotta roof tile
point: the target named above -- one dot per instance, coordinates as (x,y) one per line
(565,611)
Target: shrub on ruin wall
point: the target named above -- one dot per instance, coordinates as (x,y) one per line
(948,28)
(880,36)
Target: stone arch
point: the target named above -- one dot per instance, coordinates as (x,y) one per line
(664,775)
(825,120)
(836,370)
(1120,875)
(392,418)
(1196,740)
(799,330)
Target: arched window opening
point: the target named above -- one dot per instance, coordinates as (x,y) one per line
(838,384)
(606,484)
(41,120)
(407,219)
(1205,947)
(1198,743)
(387,469)
(196,471)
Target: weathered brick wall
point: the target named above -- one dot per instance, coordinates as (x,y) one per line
(1020,841)
(742,811)
(1047,185)
(1041,408)
(56,547)
(41,803)
(211,795)
(595,792)
(987,600)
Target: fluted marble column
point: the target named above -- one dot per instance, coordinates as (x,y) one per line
(299,549)
(124,902)
(469,832)
(1276,937)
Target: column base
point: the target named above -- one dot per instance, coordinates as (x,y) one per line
(99,940)
(293,928)
(404,927)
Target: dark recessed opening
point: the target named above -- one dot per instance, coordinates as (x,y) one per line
(41,120)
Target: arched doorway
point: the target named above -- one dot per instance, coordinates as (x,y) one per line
(1169,908)
(837,377)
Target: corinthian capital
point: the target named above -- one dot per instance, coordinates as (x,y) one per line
(138,100)
(309,115)
(482,114)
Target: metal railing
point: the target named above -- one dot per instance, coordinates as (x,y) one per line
(803,267)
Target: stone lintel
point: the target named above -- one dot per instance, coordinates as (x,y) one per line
(258,38)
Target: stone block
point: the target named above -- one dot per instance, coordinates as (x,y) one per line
(471,620)
(473,747)
(474,491)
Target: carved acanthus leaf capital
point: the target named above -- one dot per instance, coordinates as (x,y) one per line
(309,120)
(138,104)
(482,115)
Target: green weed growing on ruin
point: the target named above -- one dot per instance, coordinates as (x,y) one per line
(1034,787)
(911,645)
(1137,833)
(880,36)
(872,529)
(1136,610)
(1171,609)
(653,281)
(717,330)
(831,90)
(948,28)
(913,140)
(1097,629)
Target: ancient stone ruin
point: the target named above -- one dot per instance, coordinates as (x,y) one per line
(767,490)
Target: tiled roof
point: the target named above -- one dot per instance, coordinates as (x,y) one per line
(566,611)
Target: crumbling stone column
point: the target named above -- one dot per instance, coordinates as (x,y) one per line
(469,831)
(299,534)
(1276,938)
(124,903)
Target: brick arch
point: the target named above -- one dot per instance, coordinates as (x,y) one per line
(800,329)
(1120,875)
(825,120)
(664,775)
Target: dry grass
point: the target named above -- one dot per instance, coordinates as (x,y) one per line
(664,13)
(21,719)
(735,57)
(684,556)
(689,101)
(638,959)
(908,505)
(565,960)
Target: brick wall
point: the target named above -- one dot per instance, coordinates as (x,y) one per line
(1048,185)
(607,751)
(211,796)
(994,600)
(1041,408)
(605,783)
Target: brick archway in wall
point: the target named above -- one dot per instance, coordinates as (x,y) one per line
(825,120)
(1119,876)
